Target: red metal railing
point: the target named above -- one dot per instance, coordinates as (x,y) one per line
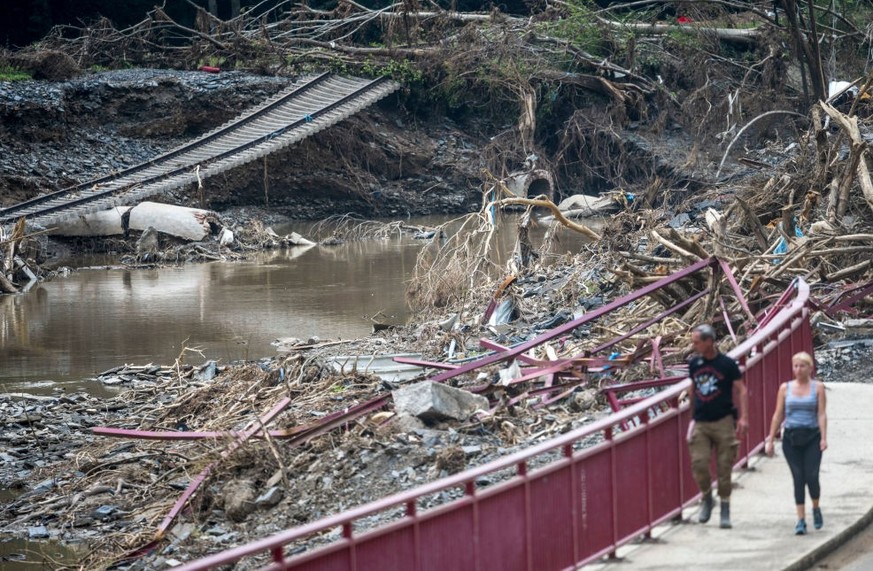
(592,490)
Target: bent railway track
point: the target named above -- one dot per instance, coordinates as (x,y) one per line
(304,108)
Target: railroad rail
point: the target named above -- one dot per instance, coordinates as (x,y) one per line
(304,108)
(568,502)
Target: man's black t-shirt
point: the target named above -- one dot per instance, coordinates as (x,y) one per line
(713,386)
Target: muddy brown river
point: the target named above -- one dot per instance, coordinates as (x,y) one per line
(67,331)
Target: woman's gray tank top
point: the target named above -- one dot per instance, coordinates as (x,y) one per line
(801,411)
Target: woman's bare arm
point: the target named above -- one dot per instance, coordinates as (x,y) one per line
(822,414)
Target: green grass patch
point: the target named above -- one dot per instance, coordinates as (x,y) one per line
(12,73)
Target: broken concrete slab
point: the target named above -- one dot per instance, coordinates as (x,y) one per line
(583,206)
(179,221)
(103,223)
(383,366)
(431,401)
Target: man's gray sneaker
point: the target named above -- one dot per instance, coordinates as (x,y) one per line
(725,522)
(705,508)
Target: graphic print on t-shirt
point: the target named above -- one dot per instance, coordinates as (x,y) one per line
(706,383)
(713,380)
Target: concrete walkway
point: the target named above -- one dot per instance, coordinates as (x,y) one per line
(762,506)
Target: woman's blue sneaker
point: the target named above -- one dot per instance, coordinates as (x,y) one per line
(800,528)
(817,519)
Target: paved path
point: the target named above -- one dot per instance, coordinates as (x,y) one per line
(762,506)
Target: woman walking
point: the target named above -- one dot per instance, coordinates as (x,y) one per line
(802,405)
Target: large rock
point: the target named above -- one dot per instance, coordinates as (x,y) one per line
(239,500)
(148,243)
(51,65)
(431,401)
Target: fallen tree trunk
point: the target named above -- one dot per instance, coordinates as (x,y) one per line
(559,216)
(7,286)
(864,180)
(738,35)
(839,200)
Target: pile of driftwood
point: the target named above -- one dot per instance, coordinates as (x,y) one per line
(812,217)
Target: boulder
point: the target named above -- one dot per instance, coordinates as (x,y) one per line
(431,401)
(239,500)
(51,65)
(148,242)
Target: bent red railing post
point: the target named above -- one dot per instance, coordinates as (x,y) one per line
(645,417)
(678,307)
(278,554)
(774,309)
(837,305)
(608,435)
(741,297)
(574,502)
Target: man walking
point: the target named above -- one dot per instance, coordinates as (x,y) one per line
(718,390)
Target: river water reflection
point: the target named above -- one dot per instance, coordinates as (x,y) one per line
(73,328)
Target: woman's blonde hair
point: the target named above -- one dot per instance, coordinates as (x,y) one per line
(803,356)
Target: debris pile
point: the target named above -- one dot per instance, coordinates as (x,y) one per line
(531,347)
